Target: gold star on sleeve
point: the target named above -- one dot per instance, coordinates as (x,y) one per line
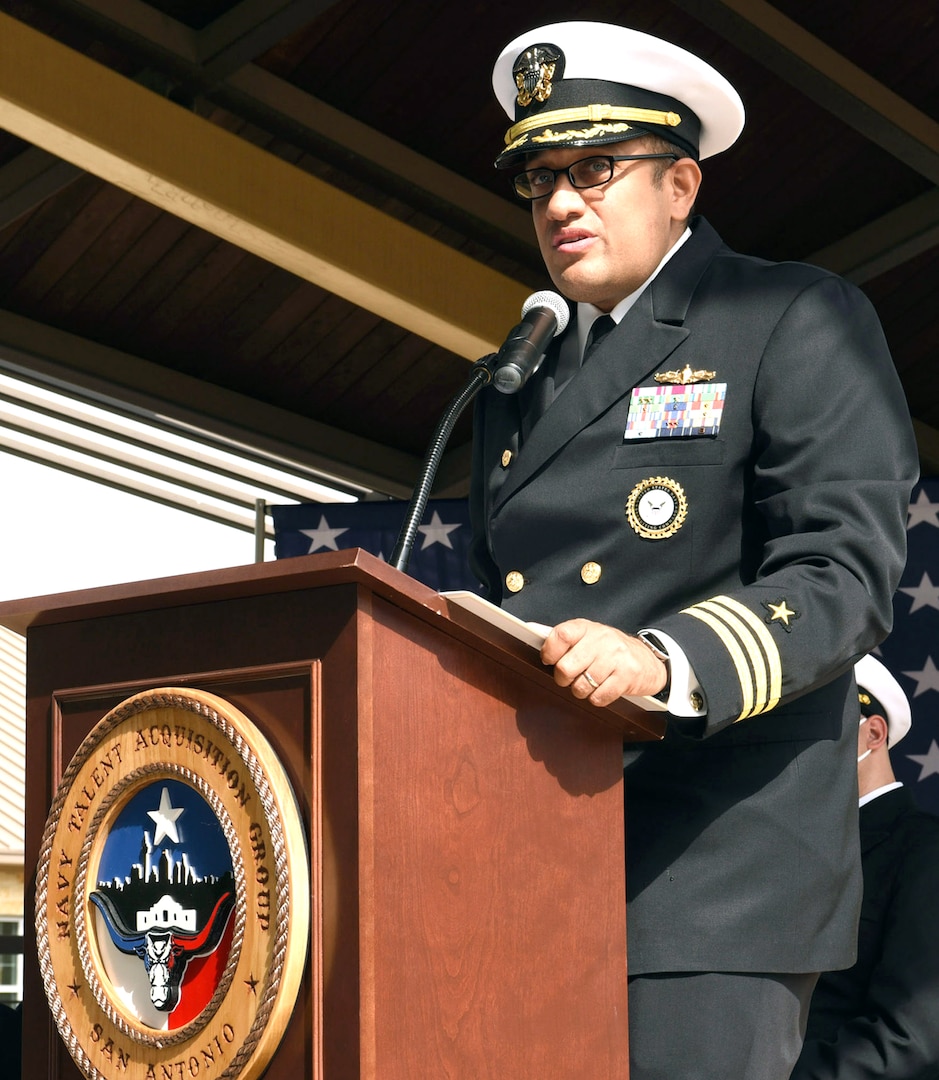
(782,612)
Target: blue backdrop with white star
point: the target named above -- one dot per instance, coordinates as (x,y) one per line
(912,649)
(439,560)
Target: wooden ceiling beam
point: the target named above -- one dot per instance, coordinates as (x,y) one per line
(826,77)
(253,90)
(65,361)
(744,22)
(250,29)
(259,88)
(891,240)
(29,179)
(100,121)
(135,20)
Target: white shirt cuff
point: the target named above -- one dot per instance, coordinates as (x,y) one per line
(684,692)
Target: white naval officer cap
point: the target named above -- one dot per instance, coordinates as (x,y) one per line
(589,84)
(879,694)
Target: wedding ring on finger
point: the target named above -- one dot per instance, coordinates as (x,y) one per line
(593,682)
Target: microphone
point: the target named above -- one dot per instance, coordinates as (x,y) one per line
(544,316)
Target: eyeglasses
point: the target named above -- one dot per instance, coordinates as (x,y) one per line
(585,173)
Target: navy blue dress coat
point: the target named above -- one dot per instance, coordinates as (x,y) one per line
(775,574)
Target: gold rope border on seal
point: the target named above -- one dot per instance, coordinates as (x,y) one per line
(290,904)
(594,114)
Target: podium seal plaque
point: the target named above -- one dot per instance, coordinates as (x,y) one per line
(172,894)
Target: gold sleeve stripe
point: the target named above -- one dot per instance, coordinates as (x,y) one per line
(770,649)
(756,670)
(736,654)
(751,648)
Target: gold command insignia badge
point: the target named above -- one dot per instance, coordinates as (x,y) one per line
(173,894)
(656,508)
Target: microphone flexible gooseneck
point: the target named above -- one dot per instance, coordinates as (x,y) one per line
(544,315)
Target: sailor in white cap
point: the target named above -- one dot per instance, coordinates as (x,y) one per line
(697,509)
(881,1017)
(880,696)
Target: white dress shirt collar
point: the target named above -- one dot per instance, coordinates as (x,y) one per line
(587,313)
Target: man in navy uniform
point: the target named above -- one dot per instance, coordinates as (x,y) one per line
(710,507)
(881,1017)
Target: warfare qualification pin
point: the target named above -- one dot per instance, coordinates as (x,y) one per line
(656,508)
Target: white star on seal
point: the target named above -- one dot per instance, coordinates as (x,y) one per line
(436,532)
(323,536)
(927,678)
(165,819)
(923,512)
(929,761)
(924,595)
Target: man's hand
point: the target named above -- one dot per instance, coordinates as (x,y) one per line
(602,663)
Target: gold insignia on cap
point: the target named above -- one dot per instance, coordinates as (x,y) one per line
(590,573)
(514,581)
(534,71)
(684,376)
(780,612)
(506,458)
(657,508)
(863,698)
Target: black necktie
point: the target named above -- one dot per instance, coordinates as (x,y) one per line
(568,363)
(599,329)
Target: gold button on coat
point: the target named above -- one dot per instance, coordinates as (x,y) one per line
(590,573)
(506,458)
(514,581)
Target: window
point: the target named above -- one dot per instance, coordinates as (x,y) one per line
(11,963)
(98,493)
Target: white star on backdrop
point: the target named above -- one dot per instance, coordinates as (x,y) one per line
(923,512)
(924,595)
(323,536)
(926,679)
(165,819)
(929,761)
(436,532)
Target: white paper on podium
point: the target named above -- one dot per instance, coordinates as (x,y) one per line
(530,633)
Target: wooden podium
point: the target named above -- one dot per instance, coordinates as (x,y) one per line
(463,815)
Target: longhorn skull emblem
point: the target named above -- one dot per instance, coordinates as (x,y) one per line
(164,946)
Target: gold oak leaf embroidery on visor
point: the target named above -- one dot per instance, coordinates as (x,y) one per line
(581,133)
